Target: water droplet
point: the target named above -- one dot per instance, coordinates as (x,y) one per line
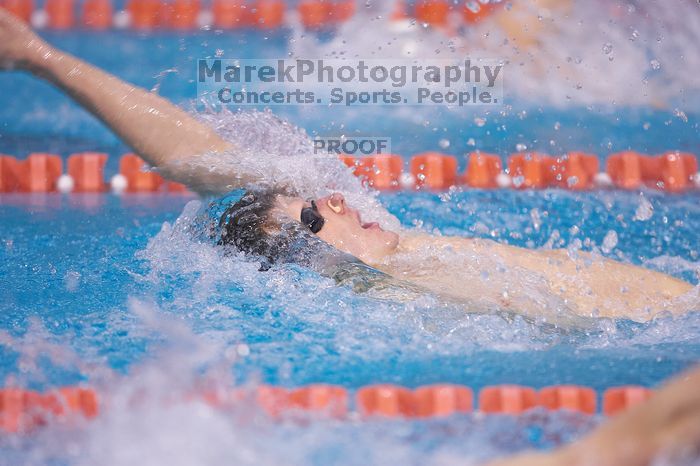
(607,48)
(644,210)
(444,143)
(655,64)
(479,121)
(609,242)
(680,114)
(520,147)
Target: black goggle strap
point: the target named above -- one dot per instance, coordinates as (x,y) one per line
(311,218)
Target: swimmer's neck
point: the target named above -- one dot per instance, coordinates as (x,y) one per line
(409,241)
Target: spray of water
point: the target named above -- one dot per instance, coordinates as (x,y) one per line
(272,152)
(587,52)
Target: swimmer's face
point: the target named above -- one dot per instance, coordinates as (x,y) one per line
(343,227)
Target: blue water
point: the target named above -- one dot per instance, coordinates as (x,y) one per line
(34,116)
(72,263)
(114,292)
(93,293)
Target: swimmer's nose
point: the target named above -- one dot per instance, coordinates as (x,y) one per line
(336,202)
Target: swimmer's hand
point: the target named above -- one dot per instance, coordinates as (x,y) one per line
(19,46)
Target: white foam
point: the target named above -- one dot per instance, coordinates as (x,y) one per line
(271,151)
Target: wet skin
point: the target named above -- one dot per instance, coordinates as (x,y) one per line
(344,228)
(484,274)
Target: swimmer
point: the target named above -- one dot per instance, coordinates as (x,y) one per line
(663,430)
(481,274)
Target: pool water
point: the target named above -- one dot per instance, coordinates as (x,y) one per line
(118,293)
(115,292)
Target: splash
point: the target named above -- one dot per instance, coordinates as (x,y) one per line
(209,320)
(587,52)
(270,151)
(154,416)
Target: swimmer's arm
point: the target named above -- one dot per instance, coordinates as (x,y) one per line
(157,130)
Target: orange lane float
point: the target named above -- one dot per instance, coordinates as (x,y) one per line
(528,170)
(385,400)
(315,14)
(475,11)
(399,13)
(433,170)
(342,11)
(138,180)
(381,171)
(507,399)
(671,171)
(24,410)
(433,12)
(87,171)
(145,14)
(482,170)
(173,187)
(320,14)
(351,162)
(61,13)
(13,407)
(575,170)
(76,400)
(268,14)
(273,400)
(230,14)
(97,14)
(181,14)
(571,397)
(330,400)
(9,174)
(39,173)
(618,399)
(625,169)
(21,8)
(442,400)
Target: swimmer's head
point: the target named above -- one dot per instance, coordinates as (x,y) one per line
(270,224)
(343,227)
(253,228)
